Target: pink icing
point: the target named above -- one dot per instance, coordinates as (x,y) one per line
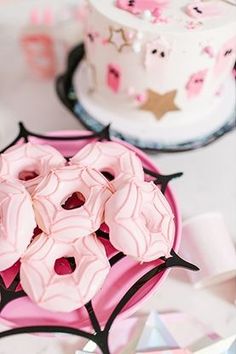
(196,83)
(226,57)
(192,25)
(140,221)
(161,19)
(113,77)
(110,157)
(209,51)
(63,293)
(105,41)
(137,7)
(17,222)
(54,191)
(30,160)
(199,9)
(141,97)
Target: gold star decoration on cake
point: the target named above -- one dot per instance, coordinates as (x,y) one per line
(159,104)
(118,39)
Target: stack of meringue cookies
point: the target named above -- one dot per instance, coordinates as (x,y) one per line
(50,209)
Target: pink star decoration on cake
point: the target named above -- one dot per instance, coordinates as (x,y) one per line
(159,104)
(118,39)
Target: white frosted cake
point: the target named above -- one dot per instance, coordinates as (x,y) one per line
(160,71)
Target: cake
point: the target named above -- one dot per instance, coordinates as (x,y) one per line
(159,71)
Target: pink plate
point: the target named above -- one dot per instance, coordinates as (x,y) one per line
(22,312)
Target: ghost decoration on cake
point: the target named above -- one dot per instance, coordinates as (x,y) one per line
(226,57)
(200,10)
(157,63)
(141,7)
(113,77)
(196,83)
(157,51)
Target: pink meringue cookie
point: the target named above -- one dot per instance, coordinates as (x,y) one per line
(140,221)
(29,163)
(68,292)
(112,158)
(17,222)
(54,192)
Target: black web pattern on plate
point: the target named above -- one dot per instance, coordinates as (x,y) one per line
(100,335)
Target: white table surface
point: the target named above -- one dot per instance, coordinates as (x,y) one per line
(209,182)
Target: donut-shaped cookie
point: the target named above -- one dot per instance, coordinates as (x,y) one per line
(17,222)
(140,221)
(57,188)
(111,159)
(68,292)
(29,163)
